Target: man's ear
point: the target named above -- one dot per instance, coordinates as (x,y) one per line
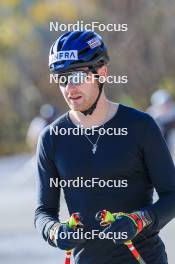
(103,71)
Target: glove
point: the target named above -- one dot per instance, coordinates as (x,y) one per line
(129,224)
(63,236)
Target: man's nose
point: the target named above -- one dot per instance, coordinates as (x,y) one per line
(71,87)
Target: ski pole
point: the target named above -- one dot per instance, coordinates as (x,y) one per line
(107,218)
(74,222)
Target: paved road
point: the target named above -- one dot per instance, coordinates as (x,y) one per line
(19,241)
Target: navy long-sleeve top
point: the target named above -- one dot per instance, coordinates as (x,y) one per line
(139,157)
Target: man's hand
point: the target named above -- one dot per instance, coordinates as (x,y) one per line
(63,234)
(128,224)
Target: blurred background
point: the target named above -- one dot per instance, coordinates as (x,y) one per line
(145,53)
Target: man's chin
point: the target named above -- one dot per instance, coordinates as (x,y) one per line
(77,108)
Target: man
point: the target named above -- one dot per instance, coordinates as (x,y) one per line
(136,158)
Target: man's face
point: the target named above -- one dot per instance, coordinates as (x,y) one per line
(80,97)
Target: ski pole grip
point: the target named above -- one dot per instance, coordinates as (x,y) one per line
(105,217)
(75,221)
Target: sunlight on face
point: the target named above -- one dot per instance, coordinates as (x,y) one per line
(81,97)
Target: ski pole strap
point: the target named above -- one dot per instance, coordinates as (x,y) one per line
(140,219)
(138,222)
(105,217)
(75,221)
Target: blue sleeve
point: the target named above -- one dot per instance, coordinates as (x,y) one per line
(161,172)
(48,197)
